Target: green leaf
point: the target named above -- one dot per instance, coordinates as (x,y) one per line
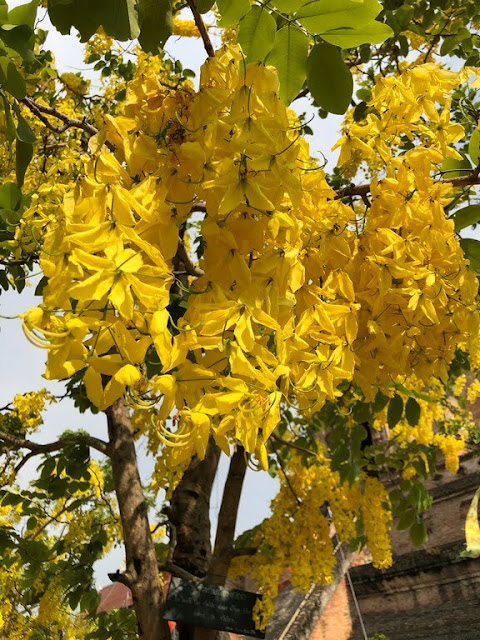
(156,24)
(19,38)
(474,147)
(24,132)
(24,14)
(471,249)
(453,168)
(466,217)
(257,33)
(10,124)
(412,412)
(232,11)
(320,16)
(329,79)
(23,157)
(289,56)
(288,6)
(406,520)
(11,79)
(395,411)
(346,38)
(204,6)
(418,533)
(10,196)
(119,18)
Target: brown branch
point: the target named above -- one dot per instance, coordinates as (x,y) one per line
(42,111)
(246,551)
(124,578)
(177,571)
(227,519)
(15,263)
(207,43)
(37,449)
(190,267)
(362,190)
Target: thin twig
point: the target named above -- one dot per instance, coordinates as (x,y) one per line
(207,43)
(293,445)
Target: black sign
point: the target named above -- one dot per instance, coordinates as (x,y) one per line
(212,607)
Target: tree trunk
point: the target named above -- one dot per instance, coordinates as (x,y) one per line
(141,573)
(225,536)
(189,512)
(227,519)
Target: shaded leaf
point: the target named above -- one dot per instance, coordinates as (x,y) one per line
(24,132)
(418,533)
(204,5)
(395,411)
(412,412)
(11,79)
(471,249)
(329,79)
(23,157)
(119,18)
(156,24)
(289,56)
(466,217)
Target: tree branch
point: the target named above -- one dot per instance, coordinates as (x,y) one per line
(362,190)
(42,111)
(21,262)
(36,448)
(227,519)
(190,267)
(177,571)
(293,445)
(207,43)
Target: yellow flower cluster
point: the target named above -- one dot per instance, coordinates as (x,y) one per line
(293,297)
(186,28)
(312,513)
(28,408)
(473,391)
(404,106)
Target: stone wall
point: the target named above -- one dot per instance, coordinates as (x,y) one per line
(427,595)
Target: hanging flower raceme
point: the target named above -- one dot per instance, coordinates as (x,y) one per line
(293,296)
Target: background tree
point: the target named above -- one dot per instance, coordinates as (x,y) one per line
(210,288)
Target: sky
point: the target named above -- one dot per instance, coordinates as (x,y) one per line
(23,364)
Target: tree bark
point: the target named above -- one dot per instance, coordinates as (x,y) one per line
(227,519)
(189,512)
(225,535)
(141,574)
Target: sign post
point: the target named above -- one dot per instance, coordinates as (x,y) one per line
(212,607)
